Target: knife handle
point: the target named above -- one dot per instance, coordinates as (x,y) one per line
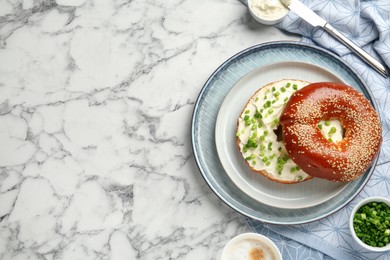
(356,49)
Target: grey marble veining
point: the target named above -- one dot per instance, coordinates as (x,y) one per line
(96,99)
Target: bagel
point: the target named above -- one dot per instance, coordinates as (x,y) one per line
(340,159)
(257,138)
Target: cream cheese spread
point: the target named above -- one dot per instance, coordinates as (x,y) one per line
(256,125)
(268,9)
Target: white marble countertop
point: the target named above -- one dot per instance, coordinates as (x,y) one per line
(96,99)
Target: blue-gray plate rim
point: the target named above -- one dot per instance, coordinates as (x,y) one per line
(205,113)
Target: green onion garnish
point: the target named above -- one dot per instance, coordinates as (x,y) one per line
(371,223)
(251,143)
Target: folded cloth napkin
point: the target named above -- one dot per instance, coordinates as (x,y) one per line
(367,23)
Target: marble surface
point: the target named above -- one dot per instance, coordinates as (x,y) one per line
(96,99)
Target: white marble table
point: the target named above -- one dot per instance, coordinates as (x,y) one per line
(96,99)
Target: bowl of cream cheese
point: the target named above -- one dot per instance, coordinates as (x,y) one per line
(267,11)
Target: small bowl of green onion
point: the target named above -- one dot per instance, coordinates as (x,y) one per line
(370,224)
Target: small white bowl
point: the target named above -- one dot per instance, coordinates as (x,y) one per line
(355,209)
(276,12)
(243,244)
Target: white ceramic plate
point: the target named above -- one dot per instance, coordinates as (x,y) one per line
(208,105)
(292,196)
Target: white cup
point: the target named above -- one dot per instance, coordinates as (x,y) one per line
(248,246)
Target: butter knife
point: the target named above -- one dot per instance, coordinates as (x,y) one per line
(312,18)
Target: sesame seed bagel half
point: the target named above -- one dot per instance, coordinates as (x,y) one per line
(258,135)
(340,152)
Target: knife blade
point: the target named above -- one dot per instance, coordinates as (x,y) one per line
(312,18)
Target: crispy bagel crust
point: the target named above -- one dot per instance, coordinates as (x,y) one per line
(340,161)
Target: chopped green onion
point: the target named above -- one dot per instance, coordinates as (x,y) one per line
(257,114)
(295,86)
(247,111)
(283,89)
(280,162)
(275,122)
(294,169)
(288,84)
(332,130)
(251,143)
(371,224)
(327,123)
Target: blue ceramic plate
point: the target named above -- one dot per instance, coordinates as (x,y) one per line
(287,57)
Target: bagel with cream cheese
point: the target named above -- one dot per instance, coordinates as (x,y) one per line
(292,130)
(257,136)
